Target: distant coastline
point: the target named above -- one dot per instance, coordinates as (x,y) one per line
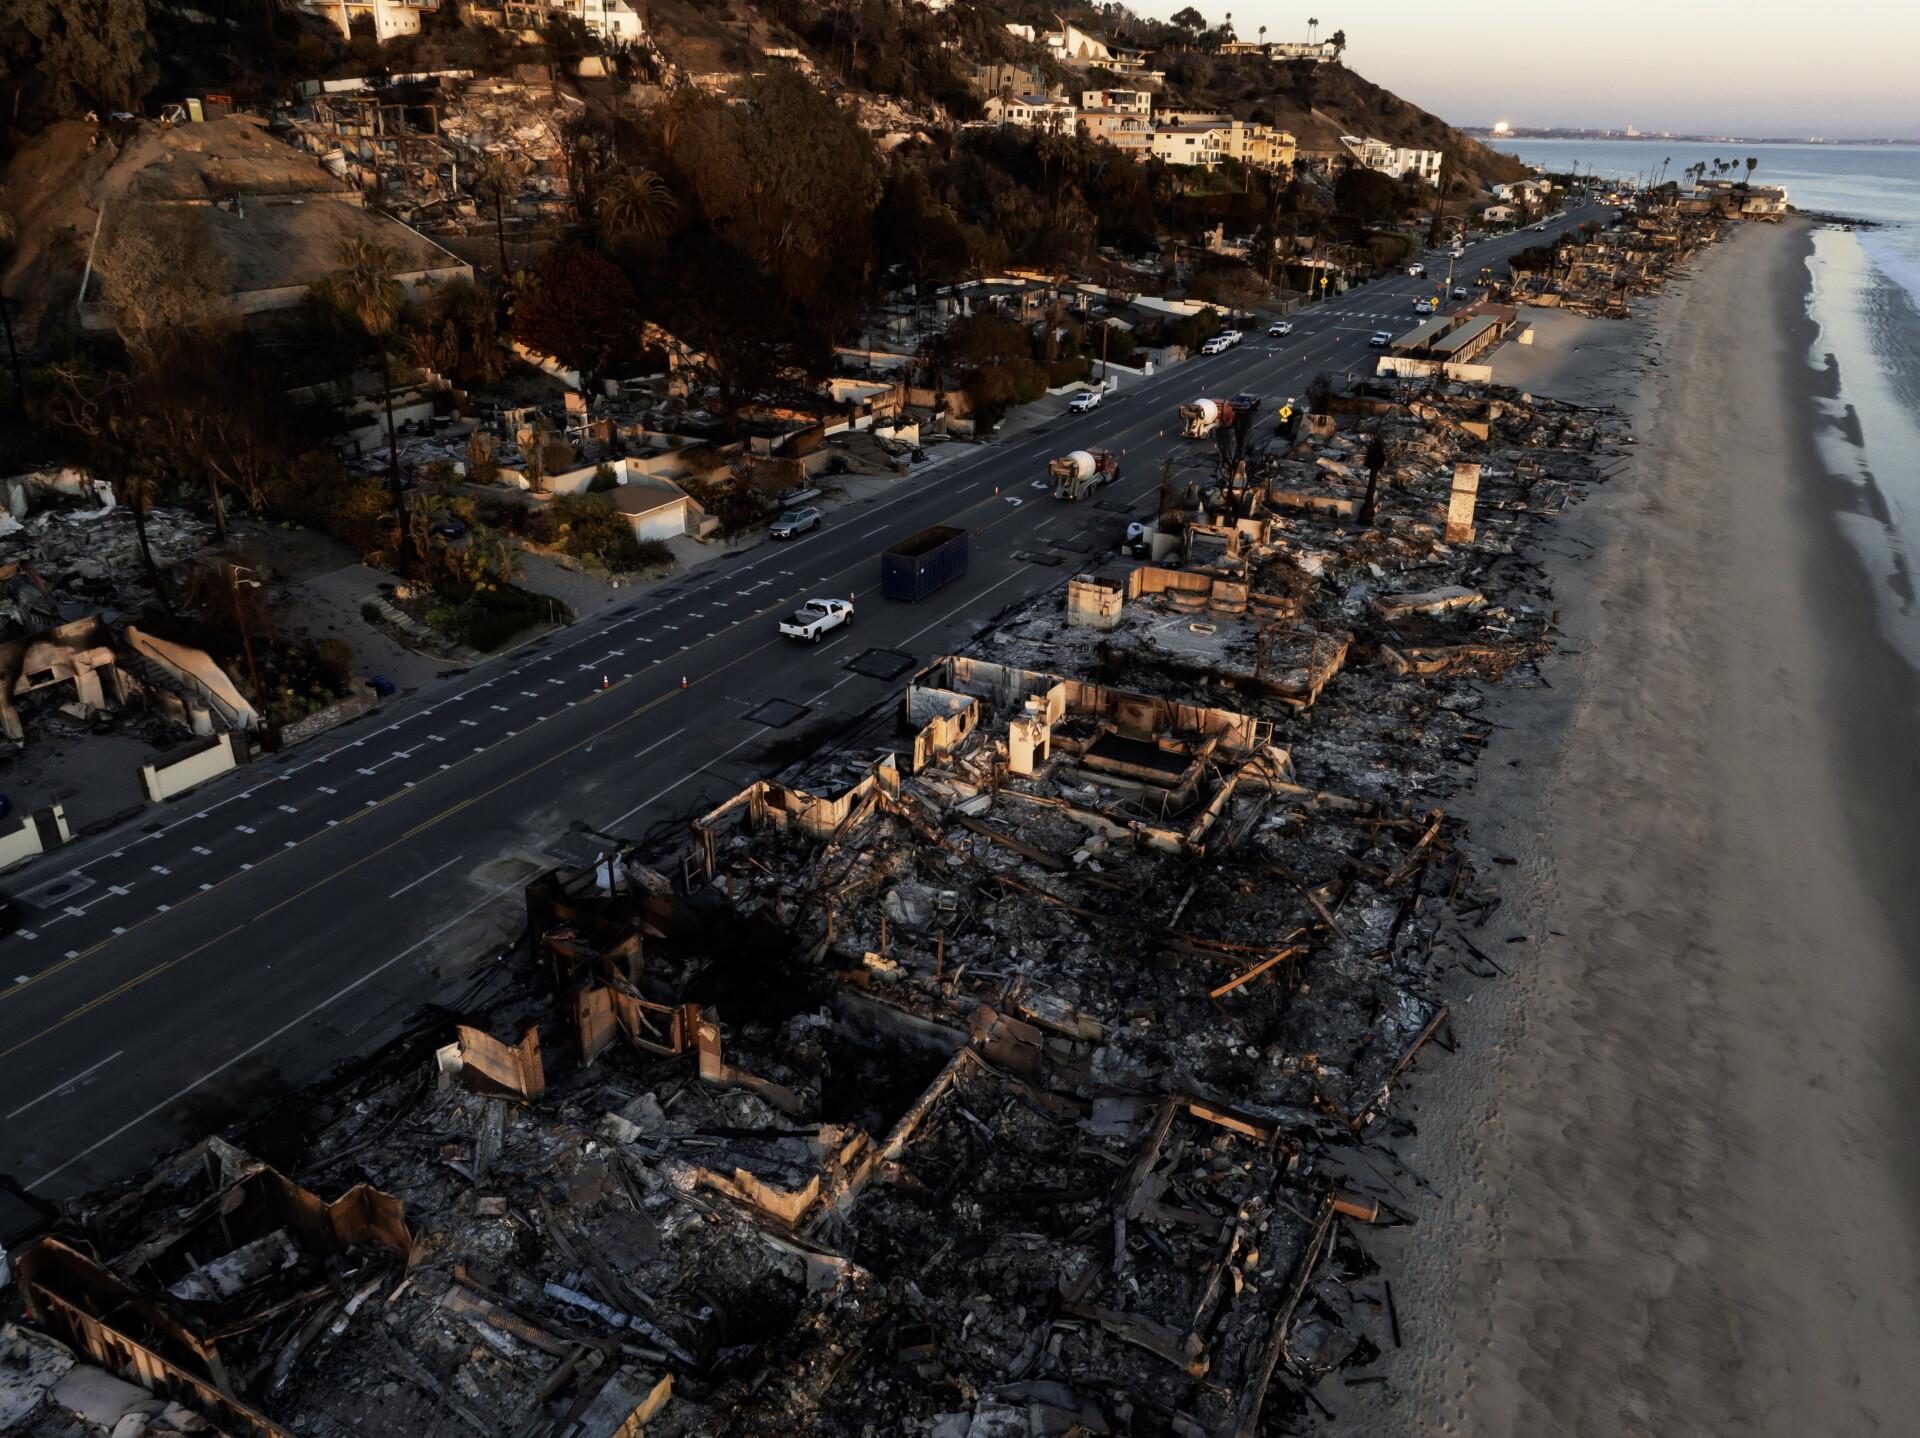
(1485,132)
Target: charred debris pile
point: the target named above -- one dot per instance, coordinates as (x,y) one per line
(1603,276)
(1026,1065)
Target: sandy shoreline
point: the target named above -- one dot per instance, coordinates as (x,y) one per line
(1670,1191)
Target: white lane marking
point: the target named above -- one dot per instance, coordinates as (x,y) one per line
(66,1084)
(658,742)
(255,1048)
(426,876)
(678,782)
(971,469)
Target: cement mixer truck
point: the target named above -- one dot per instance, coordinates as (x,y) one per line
(1204,416)
(1077,475)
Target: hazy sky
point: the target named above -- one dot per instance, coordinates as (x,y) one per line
(1740,67)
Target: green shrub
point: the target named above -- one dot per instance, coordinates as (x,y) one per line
(1029,381)
(602,481)
(1068,371)
(495,614)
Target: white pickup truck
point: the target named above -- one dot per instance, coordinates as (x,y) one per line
(816,617)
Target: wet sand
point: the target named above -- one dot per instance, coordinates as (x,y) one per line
(1673,1187)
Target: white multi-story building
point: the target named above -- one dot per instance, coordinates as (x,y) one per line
(1323,52)
(608,19)
(1394,160)
(1421,164)
(389,18)
(1522,192)
(1201,144)
(1033,112)
(1132,102)
(1209,141)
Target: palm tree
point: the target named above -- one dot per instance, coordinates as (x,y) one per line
(501,184)
(1375,462)
(1263,37)
(1753,163)
(1313,27)
(638,204)
(365,288)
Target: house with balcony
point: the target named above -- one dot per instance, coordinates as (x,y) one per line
(1002,78)
(1401,163)
(1208,141)
(1321,53)
(1081,50)
(1189,144)
(1132,102)
(390,19)
(1127,131)
(1040,113)
(608,19)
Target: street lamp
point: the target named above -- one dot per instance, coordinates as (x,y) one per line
(246,640)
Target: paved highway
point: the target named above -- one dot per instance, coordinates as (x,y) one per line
(241,941)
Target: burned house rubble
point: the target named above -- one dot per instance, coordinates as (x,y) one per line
(1027,1062)
(71,578)
(1612,269)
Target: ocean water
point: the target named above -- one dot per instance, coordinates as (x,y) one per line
(1864,295)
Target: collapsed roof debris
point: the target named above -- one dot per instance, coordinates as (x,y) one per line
(1025,1065)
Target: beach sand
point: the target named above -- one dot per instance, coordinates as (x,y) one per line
(1587,361)
(1671,1184)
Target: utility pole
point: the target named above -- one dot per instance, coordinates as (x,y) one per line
(234,582)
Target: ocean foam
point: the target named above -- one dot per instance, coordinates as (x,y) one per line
(1871,431)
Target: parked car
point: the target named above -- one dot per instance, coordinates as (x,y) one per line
(816,617)
(794,523)
(451,527)
(1425,305)
(1216,346)
(1380,339)
(1280,327)
(1232,337)
(1460,292)
(1087,399)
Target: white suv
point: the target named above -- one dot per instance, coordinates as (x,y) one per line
(1087,399)
(1280,327)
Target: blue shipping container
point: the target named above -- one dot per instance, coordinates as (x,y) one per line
(915,567)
